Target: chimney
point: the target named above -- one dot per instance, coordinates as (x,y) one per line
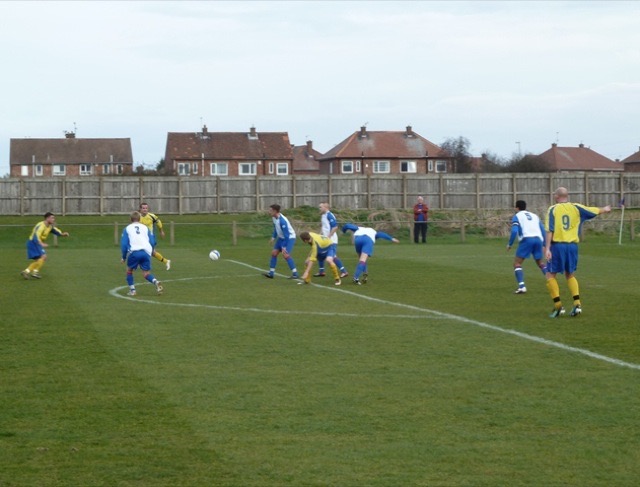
(409,130)
(70,135)
(554,145)
(581,145)
(205,130)
(252,132)
(363,131)
(309,146)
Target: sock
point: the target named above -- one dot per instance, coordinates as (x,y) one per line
(159,256)
(572,282)
(339,264)
(361,268)
(292,266)
(334,271)
(150,278)
(272,264)
(554,291)
(519,276)
(130,279)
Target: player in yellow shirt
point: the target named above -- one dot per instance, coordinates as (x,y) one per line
(36,244)
(563,225)
(152,222)
(322,249)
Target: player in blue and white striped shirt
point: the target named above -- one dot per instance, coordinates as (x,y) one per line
(364,239)
(136,249)
(529,230)
(283,238)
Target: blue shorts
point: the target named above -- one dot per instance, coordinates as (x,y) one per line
(34,250)
(564,258)
(281,243)
(364,244)
(324,252)
(530,246)
(139,258)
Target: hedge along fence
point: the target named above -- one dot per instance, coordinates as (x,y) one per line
(195,195)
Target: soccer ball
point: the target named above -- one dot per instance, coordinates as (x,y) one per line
(214,255)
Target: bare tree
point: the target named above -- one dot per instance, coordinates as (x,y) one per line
(458,148)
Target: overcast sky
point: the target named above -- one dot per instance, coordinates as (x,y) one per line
(508,76)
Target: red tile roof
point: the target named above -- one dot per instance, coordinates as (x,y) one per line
(228,145)
(635,157)
(386,144)
(70,150)
(579,158)
(305,159)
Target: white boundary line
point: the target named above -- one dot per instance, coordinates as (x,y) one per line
(439,314)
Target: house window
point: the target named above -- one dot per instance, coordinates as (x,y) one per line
(59,170)
(347,167)
(441,166)
(430,166)
(408,166)
(184,169)
(119,169)
(39,170)
(219,169)
(106,169)
(271,168)
(381,167)
(282,168)
(85,169)
(247,169)
(24,171)
(358,166)
(195,168)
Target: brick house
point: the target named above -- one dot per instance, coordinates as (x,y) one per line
(386,152)
(204,154)
(306,159)
(70,157)
(579,158)
(632,163)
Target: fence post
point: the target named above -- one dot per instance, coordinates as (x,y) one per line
(115,233)
(172,233)
(63,195)
(632,228)
(234,233)
(294,196)
(218,194)
(462,230)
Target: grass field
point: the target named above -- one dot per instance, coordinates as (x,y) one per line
(432,374)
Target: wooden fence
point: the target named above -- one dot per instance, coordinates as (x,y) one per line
(193,195)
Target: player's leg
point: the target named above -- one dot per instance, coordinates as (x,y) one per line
(145,266)
(290,262)
(519,274)
(553,267)
(37,255)
(361,268)
(572,282)
(273,261)
(336,274)
(321,272)
(338,262)
(132,265)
